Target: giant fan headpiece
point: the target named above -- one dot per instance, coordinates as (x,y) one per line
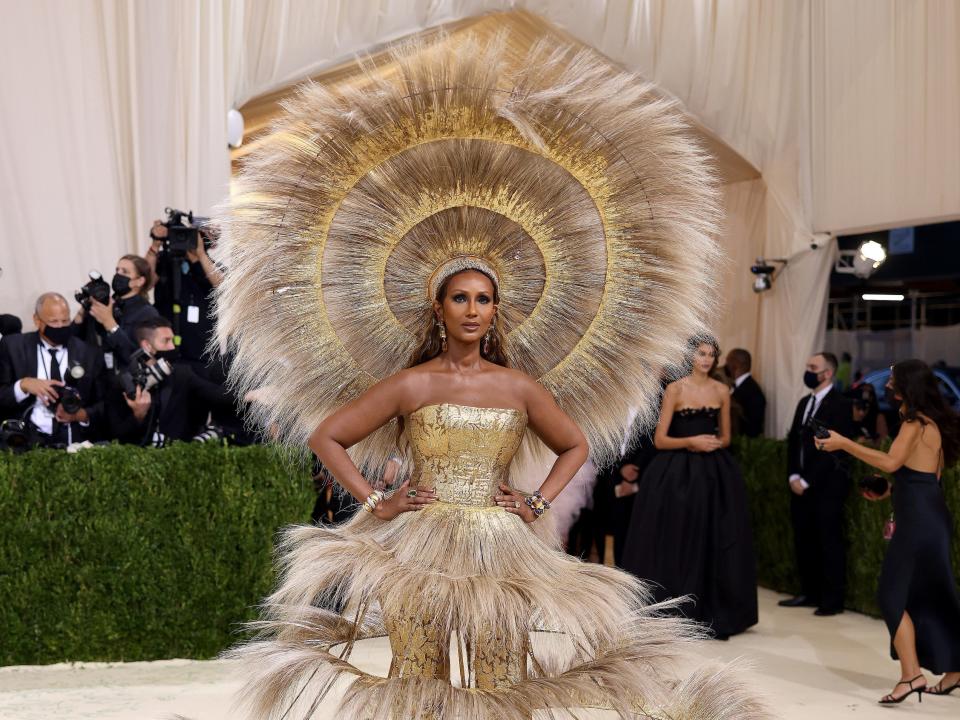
(576,184)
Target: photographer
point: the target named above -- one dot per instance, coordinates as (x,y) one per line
(151,402)
(186,277)
(51,379)
(124,310)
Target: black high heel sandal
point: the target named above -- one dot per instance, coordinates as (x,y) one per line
(891,700)
(939,689)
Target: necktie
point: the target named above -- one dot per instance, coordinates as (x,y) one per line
(811,407)
(54,365)
(54,375)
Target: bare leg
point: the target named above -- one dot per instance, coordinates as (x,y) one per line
(905,642)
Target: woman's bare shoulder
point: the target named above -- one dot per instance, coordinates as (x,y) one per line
(720,387)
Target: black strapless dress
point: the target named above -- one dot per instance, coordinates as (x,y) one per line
(917,576)
(690,530)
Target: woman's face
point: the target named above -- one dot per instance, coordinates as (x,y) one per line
(467,308)
(704,357)
(128,269)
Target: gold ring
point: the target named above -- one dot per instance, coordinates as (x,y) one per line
(516,504)
(412,492)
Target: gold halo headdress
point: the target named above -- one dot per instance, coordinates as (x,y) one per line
(576,186)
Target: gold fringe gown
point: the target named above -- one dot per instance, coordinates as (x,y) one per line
(532,627)
(580,185)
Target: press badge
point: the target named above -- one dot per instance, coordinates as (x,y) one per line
(193,314)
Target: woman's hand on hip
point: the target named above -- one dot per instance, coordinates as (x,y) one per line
(515,502)
(404,499)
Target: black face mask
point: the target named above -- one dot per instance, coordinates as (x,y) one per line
(58,335)
(811,379)
(171,356)
(120,284)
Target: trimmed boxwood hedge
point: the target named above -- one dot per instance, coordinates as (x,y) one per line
(122,553)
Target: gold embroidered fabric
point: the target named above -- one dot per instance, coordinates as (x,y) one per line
(463,452)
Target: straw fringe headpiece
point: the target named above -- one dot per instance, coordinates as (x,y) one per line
(578,185)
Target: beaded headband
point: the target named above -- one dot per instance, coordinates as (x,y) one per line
(456,265)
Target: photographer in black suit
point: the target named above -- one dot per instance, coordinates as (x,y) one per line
(819,483)
(750,404)
(155,414)
(51,379)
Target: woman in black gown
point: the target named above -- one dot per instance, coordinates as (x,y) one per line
(690,529)
(918,593)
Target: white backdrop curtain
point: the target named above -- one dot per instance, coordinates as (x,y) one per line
(112,109)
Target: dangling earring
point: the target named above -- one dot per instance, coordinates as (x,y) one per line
(487,336)
(443,335)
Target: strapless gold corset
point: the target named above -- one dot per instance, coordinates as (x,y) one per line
(462,451)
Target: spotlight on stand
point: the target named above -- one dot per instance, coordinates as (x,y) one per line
(764,273)
(863,261)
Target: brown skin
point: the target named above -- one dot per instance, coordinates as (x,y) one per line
(459,376)
(53,313)
(916,446)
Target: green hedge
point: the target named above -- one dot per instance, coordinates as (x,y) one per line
(764,464)
(121,553)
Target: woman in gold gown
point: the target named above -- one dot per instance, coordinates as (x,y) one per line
(506,229)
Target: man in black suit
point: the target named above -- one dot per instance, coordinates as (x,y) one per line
(820,483)
(37,369)
(750,402)
(162,413)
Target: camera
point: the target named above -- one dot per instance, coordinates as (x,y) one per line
(97,288)
(69,399)
(141,374)
(183,231)
(15,436)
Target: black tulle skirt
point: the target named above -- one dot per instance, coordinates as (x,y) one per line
(690,535)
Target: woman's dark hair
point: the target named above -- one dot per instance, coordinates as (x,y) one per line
(431,345)
(914,381)
(143,270)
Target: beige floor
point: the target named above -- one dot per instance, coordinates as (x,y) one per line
(820,668)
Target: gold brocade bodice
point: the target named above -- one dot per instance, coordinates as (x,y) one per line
(463,452)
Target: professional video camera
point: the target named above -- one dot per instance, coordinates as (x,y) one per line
(143,374)
(97,288)
(183,231)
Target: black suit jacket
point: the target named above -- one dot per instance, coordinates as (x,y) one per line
(753,406)
(170,407)
(826,470)
(18,360)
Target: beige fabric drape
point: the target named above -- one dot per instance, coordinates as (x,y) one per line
(109,111)
(886,112)
(112,109)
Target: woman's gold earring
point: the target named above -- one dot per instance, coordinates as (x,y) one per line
(443,335)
